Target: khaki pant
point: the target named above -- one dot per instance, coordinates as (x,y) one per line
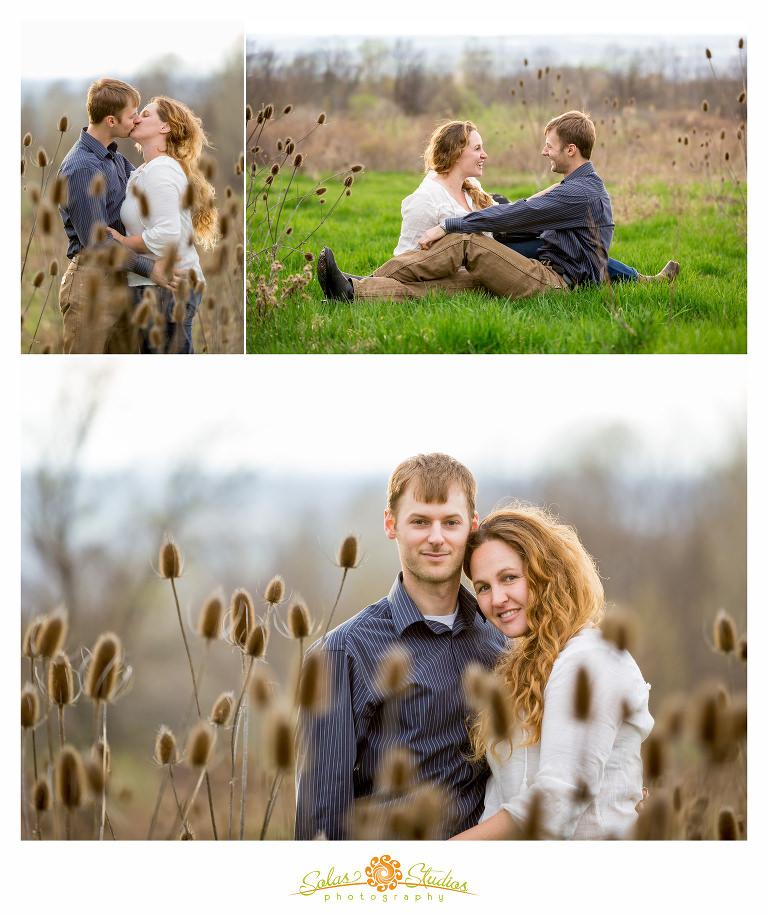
(96,306)
(487,264)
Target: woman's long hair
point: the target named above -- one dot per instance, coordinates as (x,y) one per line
(185,143)
(564,595)
(443,150)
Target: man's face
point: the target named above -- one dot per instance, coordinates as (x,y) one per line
(123,124)
(557,154)
(431,536)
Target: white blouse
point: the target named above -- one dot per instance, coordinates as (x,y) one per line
(602,753)
(163,183)
(425,208)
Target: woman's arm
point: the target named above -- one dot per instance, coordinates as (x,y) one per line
(499,826)
(134,242)
(163,187)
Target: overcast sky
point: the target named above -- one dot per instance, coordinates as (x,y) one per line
(77,50)
(352,414)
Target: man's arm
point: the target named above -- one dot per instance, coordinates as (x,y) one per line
(326,753)
(87,213)
(552,209)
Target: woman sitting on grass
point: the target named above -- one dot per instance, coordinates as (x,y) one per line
(454,160)
(568,766)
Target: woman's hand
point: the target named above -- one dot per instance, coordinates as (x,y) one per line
(431,236)
(116,235)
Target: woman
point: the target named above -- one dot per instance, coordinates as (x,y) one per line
(168,206)
(575,761)
(454,160)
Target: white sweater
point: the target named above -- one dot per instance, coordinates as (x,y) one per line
(602,753)
(163,183)
(427,206)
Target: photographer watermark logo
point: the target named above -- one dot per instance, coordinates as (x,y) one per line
(389,879)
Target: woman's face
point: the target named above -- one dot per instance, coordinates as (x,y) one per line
(470,162)
(149,125)
(501,586)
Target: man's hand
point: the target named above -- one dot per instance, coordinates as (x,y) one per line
(431,236)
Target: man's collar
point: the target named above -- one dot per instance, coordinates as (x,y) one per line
(405,612)
(96,146)
(585,168)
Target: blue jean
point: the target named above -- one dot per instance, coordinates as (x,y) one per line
(617,272)
(177,338)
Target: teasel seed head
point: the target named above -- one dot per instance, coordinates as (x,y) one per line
(200,744)
(70,778)
(103,675)
(348,552)
(653,753)
(582,696)
(261,688)
(741,649)
(617,627)
(268,111)
(31,637)
(393,671)
(313,683)
(655,820)
(742,98)
(53,268)
(725,633)
(95,768)
(298,160)
(475,681)
(299,620)
(37,279)
(42,800)
(726,825)
(170,563)
(677,798)
(53,633)
(397,771)
(321,118)
(275,590)
(221,713)
(256,643)
(280,741)
(166,750)
(30,706)
(211,615)
(241,616)
(42,157)
(27,140)
(705,105)
(532,827)
(61,681)
(98,185)
(248,113)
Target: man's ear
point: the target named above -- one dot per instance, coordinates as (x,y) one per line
(389,525)
(111,120)
(475,522)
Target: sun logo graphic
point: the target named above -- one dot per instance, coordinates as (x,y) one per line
(383,873)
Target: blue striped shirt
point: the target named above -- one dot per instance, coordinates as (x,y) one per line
(83,210)
(341,751)
(574,221)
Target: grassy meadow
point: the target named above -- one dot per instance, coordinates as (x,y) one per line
(703,312)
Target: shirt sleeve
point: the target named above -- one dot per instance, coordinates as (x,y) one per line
(573,753)
(557,209)
(163,186)
(420,212)
(326,752)
(86,210)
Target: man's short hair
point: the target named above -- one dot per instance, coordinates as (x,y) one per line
(109,97)
(433,476)
(574,127)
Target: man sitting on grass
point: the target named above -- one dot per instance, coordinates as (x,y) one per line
(574,220)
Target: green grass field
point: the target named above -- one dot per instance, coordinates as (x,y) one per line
(704,312)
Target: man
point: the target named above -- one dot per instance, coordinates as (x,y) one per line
(430,512)
(93,296)
(573,219)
